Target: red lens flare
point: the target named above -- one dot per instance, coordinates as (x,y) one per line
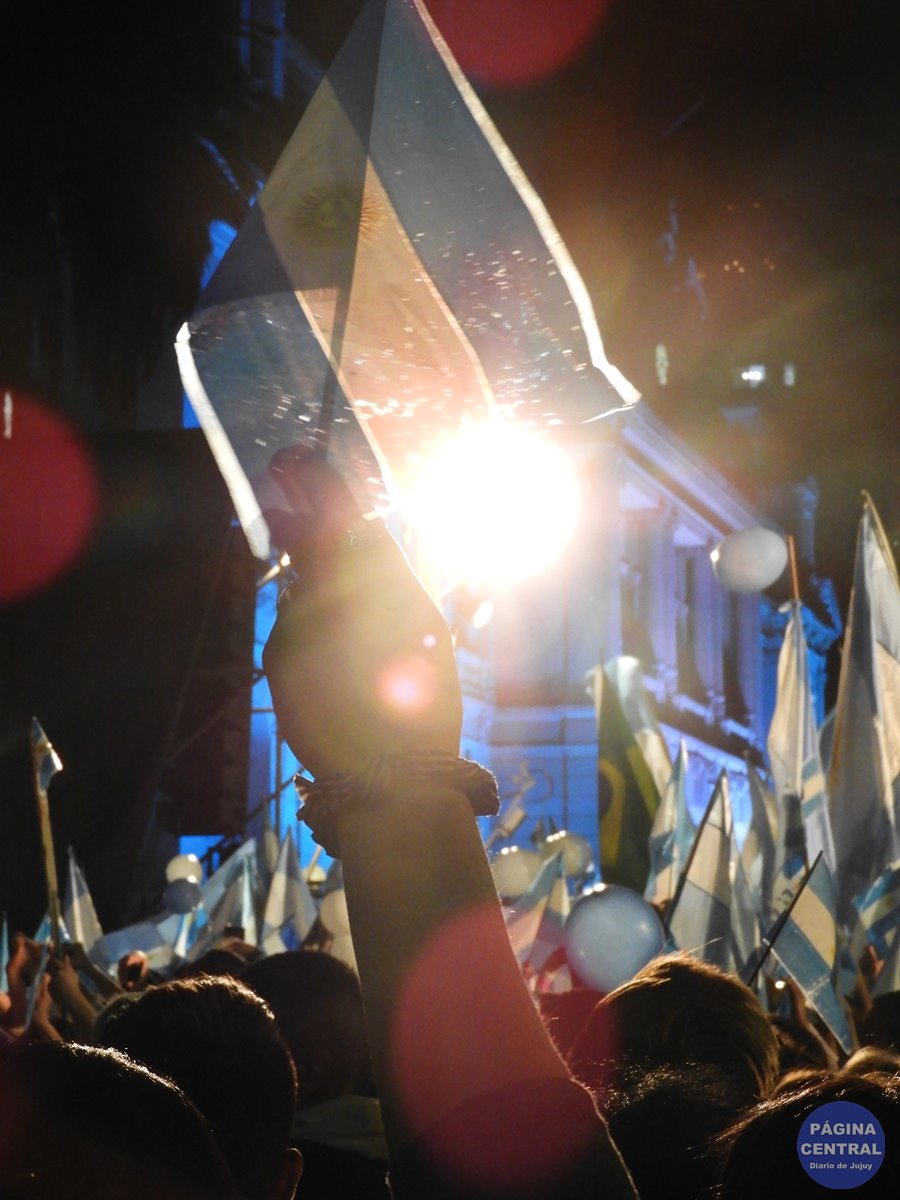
(48,496)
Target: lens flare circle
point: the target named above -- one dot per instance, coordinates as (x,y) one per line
(49,496)
(407,685)
(494,504)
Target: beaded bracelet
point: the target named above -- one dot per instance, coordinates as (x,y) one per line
(324,798)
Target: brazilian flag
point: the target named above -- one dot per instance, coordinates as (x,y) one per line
(627,795)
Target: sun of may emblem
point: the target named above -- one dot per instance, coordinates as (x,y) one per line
(332,209)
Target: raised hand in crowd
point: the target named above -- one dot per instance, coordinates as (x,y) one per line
(476,1100)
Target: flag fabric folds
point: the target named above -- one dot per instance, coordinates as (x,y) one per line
(878,910)
(758,849)
(793,744)
(536,920)
(790,853)
(889,976)
(79,914)
(146,936)
(627,797)
(289,911)
(864,776)
(236,907)
(396,274)
(266,853)
(806,946)
(671,835)
(745,913)
(699,918)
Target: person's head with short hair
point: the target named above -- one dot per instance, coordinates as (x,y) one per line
(219,1041)
(217,961)
(84,1121)
(873,1059)
(678,1010)
(684,1109)
(317,1002)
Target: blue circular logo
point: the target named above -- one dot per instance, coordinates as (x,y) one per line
(841,1145)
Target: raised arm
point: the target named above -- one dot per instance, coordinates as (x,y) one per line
(475,1098)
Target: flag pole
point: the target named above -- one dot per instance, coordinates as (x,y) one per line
(882,535)
(45,764)
(795,579)
(768,942)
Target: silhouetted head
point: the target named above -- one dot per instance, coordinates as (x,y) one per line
(683,1110)
(219,1042)
(81,1121)
(873,1059)
(679,1011)
(317,1002)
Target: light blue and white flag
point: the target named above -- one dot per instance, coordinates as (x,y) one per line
(745,914)
(236,906)
(671,835)
(760,840)
(145,936)
(864,777)
(536,920)
(267,855)
(806,946)
(79,914)
(888,979)
(397,277)
(289,911)
(45,931)
(847,978)
(878,909)
(790,852)
(699,919)
(213,889)
(793,743)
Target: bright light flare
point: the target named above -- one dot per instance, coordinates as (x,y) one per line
(494,504)
(407,685)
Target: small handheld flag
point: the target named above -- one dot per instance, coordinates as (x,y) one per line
(45,764)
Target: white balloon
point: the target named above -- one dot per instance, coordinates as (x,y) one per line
(610,934)
(578,857)
(333,913)
(513,869)
(750,560)
(184,866)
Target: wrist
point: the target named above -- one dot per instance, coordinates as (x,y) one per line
(412,777)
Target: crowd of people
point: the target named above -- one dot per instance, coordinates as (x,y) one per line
(431,1071)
